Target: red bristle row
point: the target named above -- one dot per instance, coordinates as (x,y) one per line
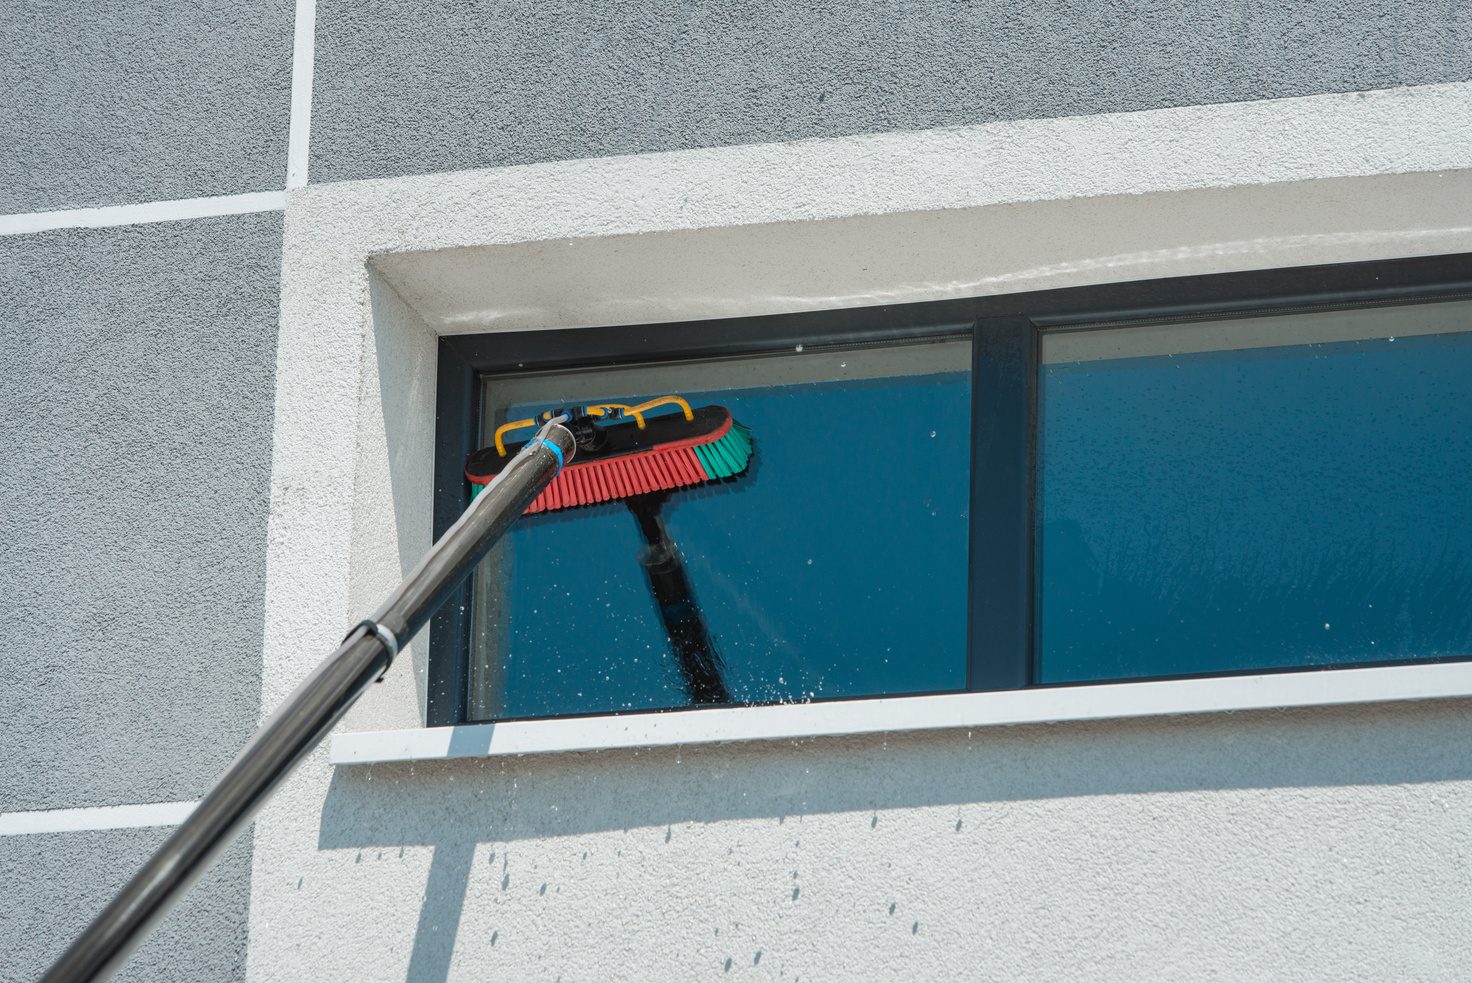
(606,481)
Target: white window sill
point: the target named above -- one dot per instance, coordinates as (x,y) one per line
(969,710)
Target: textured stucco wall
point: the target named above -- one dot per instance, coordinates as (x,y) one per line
(54,883)
(1318,842)
(136,393)
(1313,844)
(109,102)
(420,87)
(137,400)
(1305,845)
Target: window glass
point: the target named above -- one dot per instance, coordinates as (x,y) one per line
(1252,494)
(834,566)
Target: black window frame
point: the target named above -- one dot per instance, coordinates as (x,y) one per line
(1005,330)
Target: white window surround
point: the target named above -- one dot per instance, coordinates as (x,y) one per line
(951,711)
(374,271)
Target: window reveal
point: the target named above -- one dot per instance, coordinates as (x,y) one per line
(1140,497)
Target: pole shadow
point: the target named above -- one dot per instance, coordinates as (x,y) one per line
(439,917)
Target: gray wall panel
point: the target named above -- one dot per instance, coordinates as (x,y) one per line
(136,397)
(109,102)
(419,87)
(53,884)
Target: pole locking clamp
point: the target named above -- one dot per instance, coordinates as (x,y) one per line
(389,640)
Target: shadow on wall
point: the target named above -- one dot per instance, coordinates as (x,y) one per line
(455,805)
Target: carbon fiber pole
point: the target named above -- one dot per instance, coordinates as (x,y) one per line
(308,714)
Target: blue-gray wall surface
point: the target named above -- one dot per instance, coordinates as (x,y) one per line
(438,85)
(54,883)
(136,391)
(137,363)
(137,398)
(108,102)
(133,504)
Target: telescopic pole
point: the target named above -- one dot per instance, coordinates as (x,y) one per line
(308,714)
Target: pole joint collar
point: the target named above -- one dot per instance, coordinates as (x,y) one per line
(389,640)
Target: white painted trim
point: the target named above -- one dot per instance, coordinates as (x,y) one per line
(150,211)
(743,227)
(775,228)
(1416,129)
(961,710)
(95,818)
(303,59)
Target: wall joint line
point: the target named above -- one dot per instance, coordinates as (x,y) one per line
(94,818)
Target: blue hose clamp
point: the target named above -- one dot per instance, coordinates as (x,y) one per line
(550,446)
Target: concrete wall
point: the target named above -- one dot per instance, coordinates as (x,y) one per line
(112,103)
(1314,843)
(215,457)
(138,379)
(138,387)
(440,86)
(136,390)
(55,883)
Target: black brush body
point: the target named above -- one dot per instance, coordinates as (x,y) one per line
(701,667)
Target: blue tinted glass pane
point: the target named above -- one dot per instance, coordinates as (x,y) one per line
(835,566)
(1262,508)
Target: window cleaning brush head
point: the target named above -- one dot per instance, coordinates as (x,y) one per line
(630,454)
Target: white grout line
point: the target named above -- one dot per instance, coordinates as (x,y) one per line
(303,57)
(151,211)
(960,710)
(95,818)
(299,131)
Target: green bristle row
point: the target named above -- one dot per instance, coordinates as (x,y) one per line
(727,456)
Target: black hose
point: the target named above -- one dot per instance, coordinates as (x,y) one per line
(700,664)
